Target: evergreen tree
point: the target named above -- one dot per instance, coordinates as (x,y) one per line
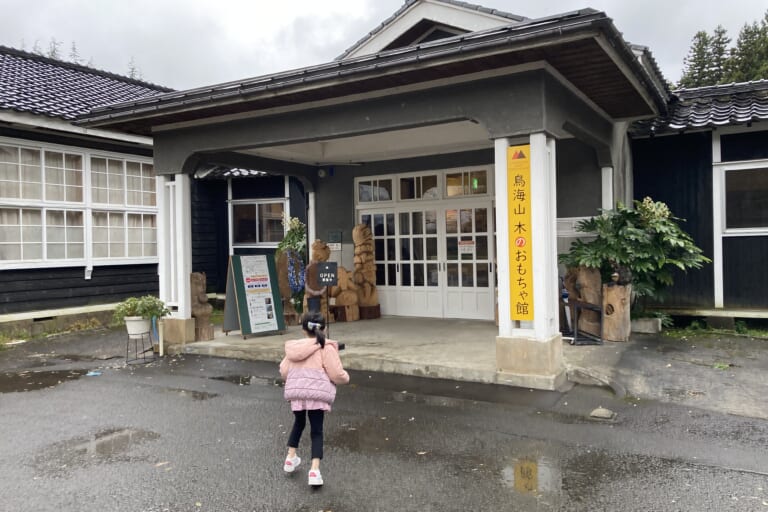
(719,53)
(74,55)
(749,59)
(53,49)
(697,62)
(133,70)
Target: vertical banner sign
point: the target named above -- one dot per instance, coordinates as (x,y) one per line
(520,236)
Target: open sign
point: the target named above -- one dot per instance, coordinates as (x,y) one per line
(328,273)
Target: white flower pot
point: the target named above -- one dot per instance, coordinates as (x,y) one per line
(137,325)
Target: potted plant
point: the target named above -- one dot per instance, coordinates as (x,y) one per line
(137,313)
(640,247)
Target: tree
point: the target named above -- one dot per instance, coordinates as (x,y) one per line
(53,49)
(133,70)
(749,59)
(74,55)
(697,62)
(710,61)
(719,53)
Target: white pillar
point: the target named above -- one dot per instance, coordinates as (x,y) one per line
(183,238)
(311,225)
(546,290)
(607,188)
(529,354)
(163,234)
(502,235)
(718,222)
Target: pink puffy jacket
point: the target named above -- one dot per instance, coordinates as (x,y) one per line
(311,374)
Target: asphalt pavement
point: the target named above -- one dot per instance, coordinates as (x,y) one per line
(83,430)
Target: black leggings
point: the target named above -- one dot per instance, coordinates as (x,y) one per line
(316,430)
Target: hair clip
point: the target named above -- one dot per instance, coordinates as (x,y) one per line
(314,325)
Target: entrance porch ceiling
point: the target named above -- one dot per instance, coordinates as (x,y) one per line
(406,143)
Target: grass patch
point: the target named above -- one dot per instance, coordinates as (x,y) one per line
(756,328)
(217,317)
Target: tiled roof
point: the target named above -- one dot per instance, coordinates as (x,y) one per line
(39,85)
(407,5)
(710,107)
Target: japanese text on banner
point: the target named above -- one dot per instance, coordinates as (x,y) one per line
(520,236)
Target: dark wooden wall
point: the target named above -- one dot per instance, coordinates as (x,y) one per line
(38,289)
(678,171)
(210,230)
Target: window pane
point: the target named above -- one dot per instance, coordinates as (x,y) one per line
(244,223)
(56,251)
(391,274)
(381,274)
(390,224)
(432,249)
(391,250)
(405,275)
(746,198)
(407,188)
(366,219)
(467,275)
(418,249)
(451,221)
(453,186)
(405,249)
(405,227)
(364,192)
(378,225)
(478,182)
(379,249)
(385,190)
(481,220)
(271,222)
(429,187)
(418,274)
(466,221)
(432,274)
(452,274)
(430,220)
(482,275)
(481,247)
(418,223)
(452,248)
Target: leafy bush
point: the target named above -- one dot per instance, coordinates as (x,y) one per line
(642,246)
(147,306)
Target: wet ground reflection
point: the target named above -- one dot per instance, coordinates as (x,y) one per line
(111,445)
(33,380)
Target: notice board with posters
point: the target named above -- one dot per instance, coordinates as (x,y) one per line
(253,304)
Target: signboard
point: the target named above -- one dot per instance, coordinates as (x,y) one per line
(520,236)
(253,303)
(327,273)
(466,247)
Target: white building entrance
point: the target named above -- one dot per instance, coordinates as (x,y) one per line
(434,251)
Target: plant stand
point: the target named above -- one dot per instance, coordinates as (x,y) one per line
(139,355)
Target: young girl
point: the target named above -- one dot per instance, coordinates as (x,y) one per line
(311,369)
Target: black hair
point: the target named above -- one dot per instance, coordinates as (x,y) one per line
(314,323)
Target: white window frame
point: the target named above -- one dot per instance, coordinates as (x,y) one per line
(255,203)
(721,170)
(441,177)
(86,206)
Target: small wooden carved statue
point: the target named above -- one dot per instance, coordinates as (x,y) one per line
(201,310)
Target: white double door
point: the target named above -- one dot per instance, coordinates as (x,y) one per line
(435,261)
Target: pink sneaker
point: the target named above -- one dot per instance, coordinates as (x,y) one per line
(315,478)
(291,464)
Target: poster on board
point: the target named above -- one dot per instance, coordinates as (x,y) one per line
(253,304)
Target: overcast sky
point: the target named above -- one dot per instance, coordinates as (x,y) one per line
(189,43)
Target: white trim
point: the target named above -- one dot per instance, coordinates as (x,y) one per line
(287,194)
(311,221)
(607,188)
(36,121)
(718,222)
(716,148)
(163,237)
(263,200)
(183,235)
(502,236)
(544,243)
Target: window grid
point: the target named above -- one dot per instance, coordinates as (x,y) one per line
(55,178)
(257,223)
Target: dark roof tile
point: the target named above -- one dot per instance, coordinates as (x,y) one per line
(39,85)
(709,107)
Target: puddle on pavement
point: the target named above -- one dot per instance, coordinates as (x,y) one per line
(111,445)
(194,395)
(13,382)
(440,401)
(248,380)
